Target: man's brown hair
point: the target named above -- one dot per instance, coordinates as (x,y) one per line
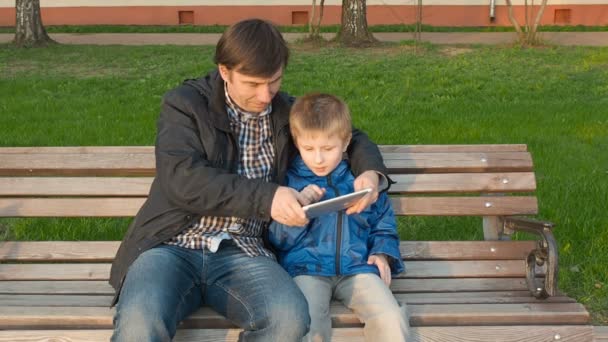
(254,47)
(322,113)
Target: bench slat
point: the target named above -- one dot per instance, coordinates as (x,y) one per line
(75,186)
(458,284)
(458,162)
(410,298)
(415,269)
(507,314)
(600,333)
(462,182)
(93,164)
(150,149)
(465,206)
(465,250)
(140,186)
(102,287)
(16,317)
(104,251)
(143,164)
(418,334)
(58,250)
(533,333)
(70,207)
(56,287)
(453,148)
(127,207)
(80,149)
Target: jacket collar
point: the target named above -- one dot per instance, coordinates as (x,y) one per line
(299,168)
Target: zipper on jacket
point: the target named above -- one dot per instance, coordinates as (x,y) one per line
(338,227)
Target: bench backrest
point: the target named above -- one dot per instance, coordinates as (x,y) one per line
(432,180)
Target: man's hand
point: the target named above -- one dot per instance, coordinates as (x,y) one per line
(385,270)
(286,208)
(368,179)
(310,194)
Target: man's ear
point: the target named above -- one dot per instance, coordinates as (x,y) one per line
(224,72)
(347,142)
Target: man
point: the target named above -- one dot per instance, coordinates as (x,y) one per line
(223,145)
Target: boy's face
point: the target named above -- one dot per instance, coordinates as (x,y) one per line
(320,151)
(253,94)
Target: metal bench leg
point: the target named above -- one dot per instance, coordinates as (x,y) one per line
(544,254)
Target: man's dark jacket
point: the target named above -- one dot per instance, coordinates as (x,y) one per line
(196,162)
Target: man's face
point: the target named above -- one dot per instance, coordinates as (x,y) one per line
(320,151)
(251,93)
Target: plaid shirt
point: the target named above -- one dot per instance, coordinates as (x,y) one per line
(256,155)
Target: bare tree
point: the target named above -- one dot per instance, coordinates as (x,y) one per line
(418,30)
(353,29)
(314,29)
(528,34)
(29,31)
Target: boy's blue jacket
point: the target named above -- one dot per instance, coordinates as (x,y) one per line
(336,243)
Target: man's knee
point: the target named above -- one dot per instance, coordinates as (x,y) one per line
(287,318)
(142,323)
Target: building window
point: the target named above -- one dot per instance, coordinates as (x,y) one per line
(186,17)
(299,17)
(562,16)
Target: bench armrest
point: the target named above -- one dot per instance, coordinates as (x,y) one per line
(544,254)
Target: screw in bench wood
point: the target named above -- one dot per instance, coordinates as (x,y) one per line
(488,204)
(505,181)
(492,249)
(498,267)
(557,337)
(484,160)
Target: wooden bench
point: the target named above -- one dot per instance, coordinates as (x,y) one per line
(492,290)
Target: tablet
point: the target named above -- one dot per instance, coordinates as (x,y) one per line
(334,204)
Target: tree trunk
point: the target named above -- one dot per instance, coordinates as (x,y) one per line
(353,30)
(514,22)
(527,36)
(321,8)
(311,27)
(314,28)
(539,16)
(418,32)
(29,31)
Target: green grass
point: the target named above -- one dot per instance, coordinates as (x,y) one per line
(553,98)
(299,28)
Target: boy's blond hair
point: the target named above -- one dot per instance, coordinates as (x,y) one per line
(322,113)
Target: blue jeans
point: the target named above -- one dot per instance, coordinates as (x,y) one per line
(167,283)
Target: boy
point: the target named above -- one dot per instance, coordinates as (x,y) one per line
(346,257)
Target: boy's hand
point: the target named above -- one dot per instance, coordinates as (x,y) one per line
(385,270)
(286,208)
(368,179)
(310,194)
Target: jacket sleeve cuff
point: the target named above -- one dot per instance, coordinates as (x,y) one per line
(265,205)
(384,182)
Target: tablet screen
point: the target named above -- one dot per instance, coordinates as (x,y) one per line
(334,204)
